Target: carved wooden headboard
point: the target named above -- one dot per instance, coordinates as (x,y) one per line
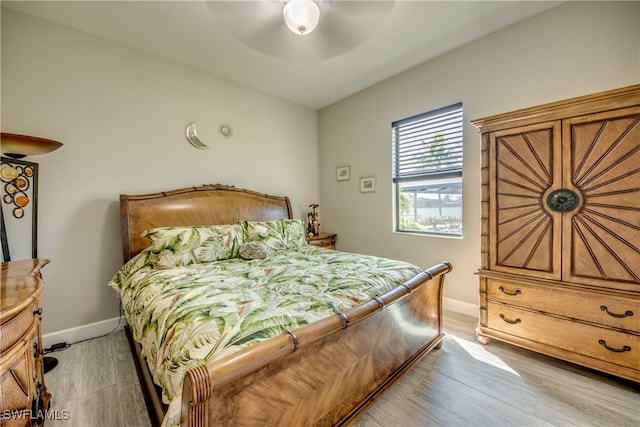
(205,205)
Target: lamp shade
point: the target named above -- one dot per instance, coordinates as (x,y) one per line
(301,16)
(18,146)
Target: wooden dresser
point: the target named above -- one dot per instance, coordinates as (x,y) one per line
(560,252)
(24,396)
(324,240)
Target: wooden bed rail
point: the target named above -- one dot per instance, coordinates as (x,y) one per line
(224,392)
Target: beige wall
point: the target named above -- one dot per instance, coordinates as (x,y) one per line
(121,114)
(572,50)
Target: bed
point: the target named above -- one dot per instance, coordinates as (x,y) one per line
(324,371)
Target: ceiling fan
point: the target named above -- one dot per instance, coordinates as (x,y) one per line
(260,25)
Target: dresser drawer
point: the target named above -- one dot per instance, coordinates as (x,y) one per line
(15,328)
(609,310)
(16,379)
(588,340)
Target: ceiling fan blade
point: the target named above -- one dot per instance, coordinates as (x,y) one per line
(245,19)
(344,24)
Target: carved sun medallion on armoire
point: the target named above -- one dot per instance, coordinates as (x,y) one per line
(560,269)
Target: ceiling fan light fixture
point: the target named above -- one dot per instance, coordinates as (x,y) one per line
(301,16)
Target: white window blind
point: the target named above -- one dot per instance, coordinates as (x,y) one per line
(428,145)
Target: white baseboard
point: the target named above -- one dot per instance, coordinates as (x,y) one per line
(461,307)
(84,332)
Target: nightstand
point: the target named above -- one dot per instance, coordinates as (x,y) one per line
(324,240)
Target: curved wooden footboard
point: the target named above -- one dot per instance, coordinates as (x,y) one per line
(324,373)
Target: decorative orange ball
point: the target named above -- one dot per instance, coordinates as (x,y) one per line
(22,201)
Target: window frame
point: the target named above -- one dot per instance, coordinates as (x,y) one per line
(443,172)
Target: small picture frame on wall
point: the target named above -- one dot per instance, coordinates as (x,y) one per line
(343,173)
(368,184)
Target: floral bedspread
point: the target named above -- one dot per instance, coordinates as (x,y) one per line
(188,315)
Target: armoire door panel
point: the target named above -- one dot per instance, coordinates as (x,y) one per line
(602,160)
(524,165)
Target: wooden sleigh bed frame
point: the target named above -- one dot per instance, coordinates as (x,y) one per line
(324,373)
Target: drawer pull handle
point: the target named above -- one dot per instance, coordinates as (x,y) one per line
(627,313)
(615,350)
(38,311)
(37,408)
(517,292)
(513,322)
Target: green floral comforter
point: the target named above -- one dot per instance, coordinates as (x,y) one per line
(186,316)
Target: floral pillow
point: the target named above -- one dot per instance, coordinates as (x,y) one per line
(278,234)
(177,246)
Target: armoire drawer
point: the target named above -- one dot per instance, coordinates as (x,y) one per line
(609,310)
(589,340)
(15,328)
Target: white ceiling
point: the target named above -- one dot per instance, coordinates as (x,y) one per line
(356,45)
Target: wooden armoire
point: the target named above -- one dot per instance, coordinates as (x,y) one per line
(560,270)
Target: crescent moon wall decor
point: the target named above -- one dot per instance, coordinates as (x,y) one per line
(192,136)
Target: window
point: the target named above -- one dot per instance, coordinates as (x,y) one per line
(427,172)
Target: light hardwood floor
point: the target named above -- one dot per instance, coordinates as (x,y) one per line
(462,384)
